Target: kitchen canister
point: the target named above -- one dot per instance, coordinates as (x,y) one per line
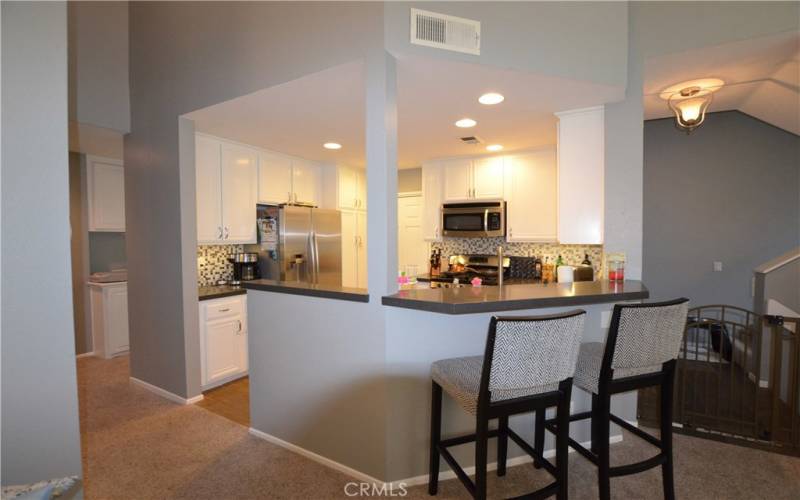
(566,274)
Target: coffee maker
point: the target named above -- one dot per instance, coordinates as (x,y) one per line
(245,267)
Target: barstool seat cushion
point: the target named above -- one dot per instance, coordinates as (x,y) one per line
(587,371)
(461,379)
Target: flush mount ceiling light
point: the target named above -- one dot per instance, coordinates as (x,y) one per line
(494,147)
(491,98)
(332,145)
(466,123)
(690,101)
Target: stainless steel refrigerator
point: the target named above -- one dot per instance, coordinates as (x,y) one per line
(298,243)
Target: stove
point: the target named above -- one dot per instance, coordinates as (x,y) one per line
(466,267)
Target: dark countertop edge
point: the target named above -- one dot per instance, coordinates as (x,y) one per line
(221,294)
(511,305)
(309,292)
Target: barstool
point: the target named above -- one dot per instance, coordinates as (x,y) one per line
(640,351)
(527,366)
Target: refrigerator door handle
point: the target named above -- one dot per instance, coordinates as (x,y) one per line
(315,256)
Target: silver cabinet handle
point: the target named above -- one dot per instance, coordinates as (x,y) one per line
(225,310)
(511,232)
(295,197)
(240,325)
(289,196)
(220,232)
(226,232)
(355,202)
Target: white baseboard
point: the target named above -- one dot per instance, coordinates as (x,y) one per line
(411,481)
(85,355)
(166,394)
(315,457)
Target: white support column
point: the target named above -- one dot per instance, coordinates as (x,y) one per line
(381,143)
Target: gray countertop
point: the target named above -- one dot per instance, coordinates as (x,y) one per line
(483,299)
(309,289)
(219,291)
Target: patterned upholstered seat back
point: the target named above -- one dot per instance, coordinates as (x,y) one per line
(647,337)
(534,354)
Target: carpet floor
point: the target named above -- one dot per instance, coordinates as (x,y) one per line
(137,445)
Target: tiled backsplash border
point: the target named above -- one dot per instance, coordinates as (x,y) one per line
(213,265)
(572,254)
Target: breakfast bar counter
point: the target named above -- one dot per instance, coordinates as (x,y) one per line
(469,300)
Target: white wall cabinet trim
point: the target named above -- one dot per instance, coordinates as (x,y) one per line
(106,194)
(223,340)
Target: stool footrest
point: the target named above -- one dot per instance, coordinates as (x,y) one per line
(468,438)
(462,476)
(635,468)
(635,430)
(547,491)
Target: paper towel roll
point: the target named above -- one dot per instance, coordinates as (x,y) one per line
(566,274)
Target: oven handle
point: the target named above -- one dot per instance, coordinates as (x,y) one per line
(486,220)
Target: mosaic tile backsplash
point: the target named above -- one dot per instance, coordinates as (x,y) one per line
(572,254)
(213,265)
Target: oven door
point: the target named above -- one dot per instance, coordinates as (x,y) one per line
(473,221)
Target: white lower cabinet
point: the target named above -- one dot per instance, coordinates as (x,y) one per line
(109,318)
(223,340)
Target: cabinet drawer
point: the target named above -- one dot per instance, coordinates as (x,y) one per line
(223,308)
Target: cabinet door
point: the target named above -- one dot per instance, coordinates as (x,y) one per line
(223,348)
(106,193)
(274,178)
(412,250)
(348,188)
(209,190)
(305,181)
(361,250)
(239,177)
(116,320)
(361,192)
(431,201)
(349,249)
(487,178)
(457,180)
(531,196)
(581,170)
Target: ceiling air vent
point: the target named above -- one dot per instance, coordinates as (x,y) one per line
(445,32)
(471,140)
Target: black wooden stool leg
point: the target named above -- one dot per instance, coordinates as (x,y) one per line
(502,445)
(436,432)
(666,435)
(481,451)
(562,441)
(594,422)
(603,415)
(538,435)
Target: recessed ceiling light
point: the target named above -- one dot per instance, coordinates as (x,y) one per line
(332,145)
(491,98)
(494,147)
(466,123)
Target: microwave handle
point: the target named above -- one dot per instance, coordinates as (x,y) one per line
(486,220)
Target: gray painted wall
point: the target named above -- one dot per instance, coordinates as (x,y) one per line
(783,285)
(98,64)
(409,179)
(40,437)
(79,252)
(728,192)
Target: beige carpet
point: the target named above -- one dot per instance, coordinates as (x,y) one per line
(139,446)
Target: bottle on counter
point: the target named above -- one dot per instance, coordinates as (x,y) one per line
(586,261)
(559,263)
(537,269)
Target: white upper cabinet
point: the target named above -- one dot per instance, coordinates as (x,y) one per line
(467,179)
(226,182)
(106,192)
(581,170)
(457,179)
(432,190)
(361,248)
(487,178)
(239,178)
(274,178)
(352,189)
(531,188)
(354,248)
(306,177)
(209,189)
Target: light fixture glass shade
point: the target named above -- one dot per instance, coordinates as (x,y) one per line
(689,106)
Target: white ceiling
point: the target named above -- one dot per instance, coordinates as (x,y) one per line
(298,117)
(762,78)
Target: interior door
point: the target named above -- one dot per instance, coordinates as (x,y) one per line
(274,179)
(457,180)
(305,179)
(223,348)
(488,178)
(209,190)
(361,228)
(349,249)
(117,310)
(412,248)
(239,178)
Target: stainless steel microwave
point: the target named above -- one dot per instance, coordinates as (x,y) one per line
(474,220)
